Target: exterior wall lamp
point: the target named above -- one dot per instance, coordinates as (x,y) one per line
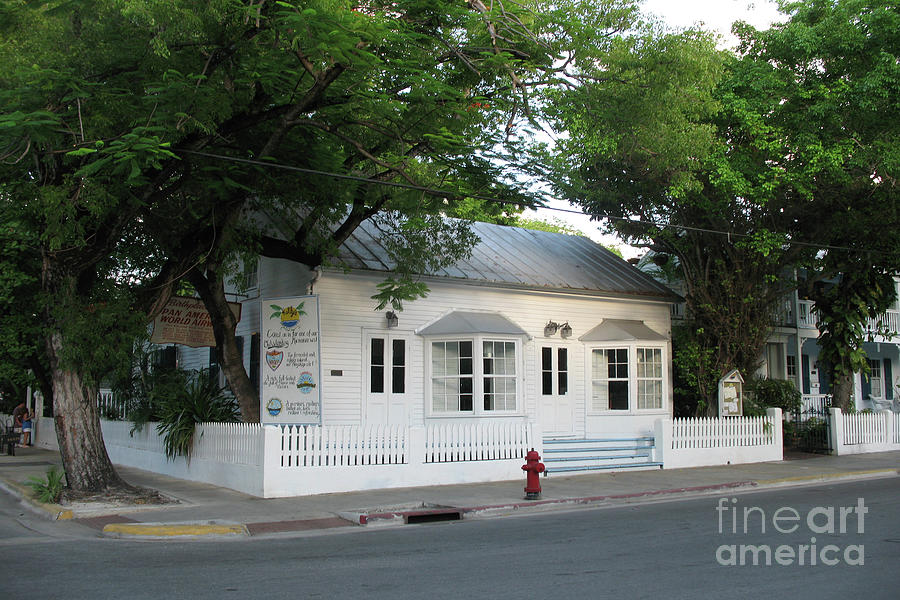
(551,328)
(392,319)
(566,330)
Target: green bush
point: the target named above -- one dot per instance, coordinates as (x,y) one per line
(201,401)
(48,490)
(761,394)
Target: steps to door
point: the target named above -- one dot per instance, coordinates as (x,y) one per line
(573,455)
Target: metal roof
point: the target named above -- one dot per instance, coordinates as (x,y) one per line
(472,322)
(620,330)
(526,258)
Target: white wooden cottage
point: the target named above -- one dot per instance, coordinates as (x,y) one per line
(535,327)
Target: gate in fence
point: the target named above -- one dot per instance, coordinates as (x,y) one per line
(808,429)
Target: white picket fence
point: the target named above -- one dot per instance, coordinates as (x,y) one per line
(717,441)
(276,461)
(859,433)
(348,445)
(897,428)
(726,432)
(492,441)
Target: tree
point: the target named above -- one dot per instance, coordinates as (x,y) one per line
(787,161)
(143,134)
(836,67)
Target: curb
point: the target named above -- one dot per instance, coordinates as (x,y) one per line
(54,512)
(166,530)
(398,517)
(844,475)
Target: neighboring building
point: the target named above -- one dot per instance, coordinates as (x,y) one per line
(796,334)
(535,327)
(792,353)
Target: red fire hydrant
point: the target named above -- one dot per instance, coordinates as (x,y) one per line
(533,467)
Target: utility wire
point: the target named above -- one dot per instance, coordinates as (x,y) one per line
(447,193)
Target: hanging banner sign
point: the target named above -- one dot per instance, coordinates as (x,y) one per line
(291,373)
(185,321)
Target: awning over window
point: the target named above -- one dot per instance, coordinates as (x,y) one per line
(459,322)
(621,330)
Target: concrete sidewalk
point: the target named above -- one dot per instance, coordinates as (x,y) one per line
(201,509)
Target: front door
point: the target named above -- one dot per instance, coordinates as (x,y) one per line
(556,397)
(386,381)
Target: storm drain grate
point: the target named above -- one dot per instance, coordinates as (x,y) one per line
(433,517)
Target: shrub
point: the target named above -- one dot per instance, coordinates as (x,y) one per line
(761,394)
(202,401)
(50,489)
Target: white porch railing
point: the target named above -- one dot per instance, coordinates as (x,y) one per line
(890,320)
(859,433)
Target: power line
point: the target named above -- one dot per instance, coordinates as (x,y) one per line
(447,193)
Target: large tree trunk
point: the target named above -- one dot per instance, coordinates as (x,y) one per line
(212,291)
(85,460)
(842,390)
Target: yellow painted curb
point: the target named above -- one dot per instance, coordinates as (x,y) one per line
(160,530)
(826,476)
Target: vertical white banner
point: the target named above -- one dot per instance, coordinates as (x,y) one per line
(291,372)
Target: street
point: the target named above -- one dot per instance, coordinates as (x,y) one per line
(671,549)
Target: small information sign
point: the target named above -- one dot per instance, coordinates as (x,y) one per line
(731,395)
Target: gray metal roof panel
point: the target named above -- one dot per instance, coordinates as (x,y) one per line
(618,330)
(458,322)
(521,257)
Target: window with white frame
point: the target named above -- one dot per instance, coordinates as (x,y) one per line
(474,376)
(627,378)
(875,379)
(649,378)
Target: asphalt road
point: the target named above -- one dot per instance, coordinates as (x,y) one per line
(664,550)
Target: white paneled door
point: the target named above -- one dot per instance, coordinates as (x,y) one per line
(557,408)
(387,379)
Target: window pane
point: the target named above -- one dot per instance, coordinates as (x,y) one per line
(600,396)
(650,394)
(398,357)
(618,395)
(499,373)
(546,383)
(377,379)
(562,365)
(377,351)
(546,359)
(376,368)
(398,380)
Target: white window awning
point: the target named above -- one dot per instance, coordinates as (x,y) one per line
(622,330)
(460,322)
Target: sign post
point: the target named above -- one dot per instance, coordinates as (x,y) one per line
(291,391)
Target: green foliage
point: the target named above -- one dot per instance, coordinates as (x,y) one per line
(50,489)
(695,375)
(202,401)
(763,393)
